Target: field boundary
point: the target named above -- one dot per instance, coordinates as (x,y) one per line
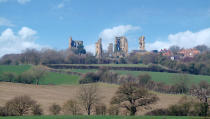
(80,66)
(62,71)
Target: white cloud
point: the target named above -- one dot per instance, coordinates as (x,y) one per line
(108,35)
(16,43)
(5,22)
(23,1)
(185,39)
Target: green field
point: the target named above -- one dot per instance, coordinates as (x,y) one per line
(53,78)
(14,68)
(59,78)
(103,117)
(50,77)
(168,78)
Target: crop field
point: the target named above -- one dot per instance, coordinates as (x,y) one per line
(103,117)
(168,78)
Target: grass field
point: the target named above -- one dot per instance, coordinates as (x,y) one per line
(168,78)
(58,78)
(50,77)
(14,68)
(102,117)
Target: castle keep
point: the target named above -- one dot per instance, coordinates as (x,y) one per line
(121,47)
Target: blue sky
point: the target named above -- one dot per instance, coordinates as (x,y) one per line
(49,23)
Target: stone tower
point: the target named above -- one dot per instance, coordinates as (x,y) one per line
(142,43)
(121,46)
(70,42)
(99,49)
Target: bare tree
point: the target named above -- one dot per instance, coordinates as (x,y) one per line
(130,96)
(55,109)
(202,94)
(37,73)
(20,105)
(71,107)
(88,97)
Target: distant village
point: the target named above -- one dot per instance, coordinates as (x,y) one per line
(120,49)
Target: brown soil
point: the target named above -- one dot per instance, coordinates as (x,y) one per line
(49,94)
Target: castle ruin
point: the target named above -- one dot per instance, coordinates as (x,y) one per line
(99,49)
(121,47)
(74,44)
(142,43)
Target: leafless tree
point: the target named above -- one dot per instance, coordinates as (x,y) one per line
(88,97)
(20,105)
(202,93)
(130,96)
(71,107)
(37,73)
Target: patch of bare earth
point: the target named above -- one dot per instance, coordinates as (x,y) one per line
(49,94)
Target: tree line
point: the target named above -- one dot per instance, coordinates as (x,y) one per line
(180,87)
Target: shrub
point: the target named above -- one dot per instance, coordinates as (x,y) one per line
(113,110)
(3,111)
(37,110)
(158,112)
(55,109)
(144,79)
(89,77)
(19,105)
(8,77)
(26,78)
(71,107)
(100,109)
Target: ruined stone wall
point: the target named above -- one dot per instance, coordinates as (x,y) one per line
(142,43)
(99,50)
(74,44)
(121,46)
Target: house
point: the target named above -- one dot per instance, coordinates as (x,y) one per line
(189,52)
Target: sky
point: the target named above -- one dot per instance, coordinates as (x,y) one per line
(49,23)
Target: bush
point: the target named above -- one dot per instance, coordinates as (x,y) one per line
(26,78)
(113,110)
(144,79)
(89,77)
(8,77)
(55,109)
(37,110)
(3,111)
(71,107)
(158,112)
(100,109)
(19,105)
